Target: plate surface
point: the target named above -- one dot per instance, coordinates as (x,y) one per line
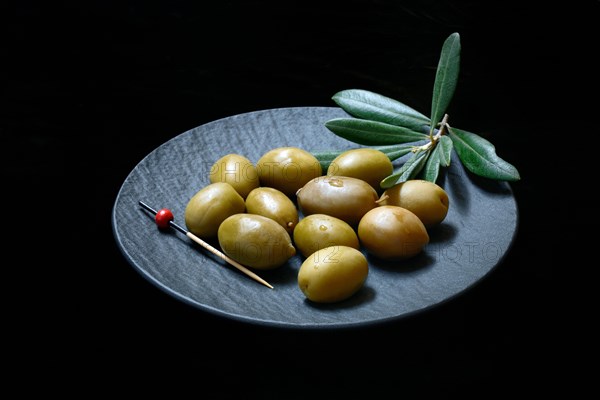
(478,231)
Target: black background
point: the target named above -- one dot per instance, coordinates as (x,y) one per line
(89,88)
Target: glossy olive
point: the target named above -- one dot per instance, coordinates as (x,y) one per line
(287,169)
(392,232)
(236,170)
(207,208)
(317,231)
(255,241)
(370,165)
(424,198)
(274,204)
(342,197)
(333,274)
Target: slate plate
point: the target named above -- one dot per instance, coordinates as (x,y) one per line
(474,238)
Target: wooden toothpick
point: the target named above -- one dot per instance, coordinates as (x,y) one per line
(168,217)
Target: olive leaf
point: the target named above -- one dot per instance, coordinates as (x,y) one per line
(409,170)
(445,146)
(326,157)
(478,155)
(432,166)
(385,122)
(375,107)
(372,132)
(395,151)
(445,78)
(392,151)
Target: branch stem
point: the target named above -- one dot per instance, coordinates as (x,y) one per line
(433,139)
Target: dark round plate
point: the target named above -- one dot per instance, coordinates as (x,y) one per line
(475,236)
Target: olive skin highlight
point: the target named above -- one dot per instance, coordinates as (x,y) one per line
(333,274)
(342,197)
(392,233)
(370,165)
(255,241)
(426,199)
(210,205)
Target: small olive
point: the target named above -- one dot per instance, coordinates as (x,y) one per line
(424,198)
(207,208)
(236,170)
(333,274)
(392,232)
(342,197)
(255,241)
(370,165)
(287,169)
(274,204)
(318,231)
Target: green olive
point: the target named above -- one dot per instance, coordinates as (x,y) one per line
(210,206)
(274,204)
(318,231)
(255,241)
(392,232)
(424,198)
(333,274)
(370,165)
(342,197)
(236,170)
(287,169)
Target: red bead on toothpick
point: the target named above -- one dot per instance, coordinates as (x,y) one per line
(164,219)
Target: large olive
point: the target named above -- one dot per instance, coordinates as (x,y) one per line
(333,274)
(287,169)
(274,204)
(342,197)
(236,170)
(370,165)
(210,206)
(392,232)
(424,198)
(318,231)
(255,241)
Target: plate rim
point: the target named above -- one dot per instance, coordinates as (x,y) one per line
(281,324)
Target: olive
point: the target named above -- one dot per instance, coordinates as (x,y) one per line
(392,232)
(333,274)
(424,198)
(370,165)
(236,170)
(274,204)
(342,197)
(207,208)
(318,231)
(255,241)
(287,169)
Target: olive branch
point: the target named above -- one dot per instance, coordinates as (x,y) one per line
(397,130)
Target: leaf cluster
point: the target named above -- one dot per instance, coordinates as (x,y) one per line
(397,129)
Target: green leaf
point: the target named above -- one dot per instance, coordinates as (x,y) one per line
(375,107)
(409,169)
(478,155)
(445,78)
(445,145)
(395,151)
(392,151)
(440,157)
(432,167)
(372,132)
(326,157)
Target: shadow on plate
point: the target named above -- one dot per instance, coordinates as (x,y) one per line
(421,261)
(366,294)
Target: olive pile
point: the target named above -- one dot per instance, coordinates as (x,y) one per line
(254,212)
